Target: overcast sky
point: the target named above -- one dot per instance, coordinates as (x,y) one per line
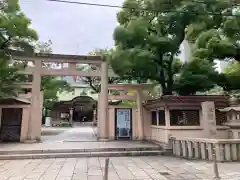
(73,29)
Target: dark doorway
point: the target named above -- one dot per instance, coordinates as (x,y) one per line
(123,123)
(11,122)
(82,116)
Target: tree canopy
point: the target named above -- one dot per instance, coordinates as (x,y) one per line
(147,42)
(15,34)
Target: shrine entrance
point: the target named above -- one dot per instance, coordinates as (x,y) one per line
(83,108)
(38,69)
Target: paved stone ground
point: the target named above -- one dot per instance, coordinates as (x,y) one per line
(75,134)
(72,138)
(127,168)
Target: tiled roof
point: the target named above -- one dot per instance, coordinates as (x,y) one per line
(14,101)
(188,99)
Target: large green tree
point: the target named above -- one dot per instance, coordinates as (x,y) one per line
(15,34)
(147,42)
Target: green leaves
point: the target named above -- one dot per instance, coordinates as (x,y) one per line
(197,75)
(8,78)
(51,86)
(147,42)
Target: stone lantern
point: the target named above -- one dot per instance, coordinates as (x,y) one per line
(233,118)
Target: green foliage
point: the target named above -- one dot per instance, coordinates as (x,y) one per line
(147,43)
(15,31)
(128,103)
(8,77)
(219,39)
(218,36)
(95,82)
(231,77)
(15,34)
(51,86)
(197,75)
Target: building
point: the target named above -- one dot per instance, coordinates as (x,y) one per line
(79,89)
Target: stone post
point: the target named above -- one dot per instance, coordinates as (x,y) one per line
(139,114)
(209,120)
(103,104)
(94,117)
(71,116)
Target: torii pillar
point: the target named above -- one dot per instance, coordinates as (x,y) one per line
(103,104)
(35,119)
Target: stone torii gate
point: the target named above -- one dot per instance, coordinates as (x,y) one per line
(38,70)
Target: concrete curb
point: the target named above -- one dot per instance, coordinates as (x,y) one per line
(80,154)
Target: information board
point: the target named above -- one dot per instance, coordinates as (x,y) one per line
(123,122)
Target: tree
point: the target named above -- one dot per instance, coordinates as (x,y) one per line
(231,77)
(147,42)
(15,34)
(198,75)
(95,82)
(15,31)
(217,36)
(51,87)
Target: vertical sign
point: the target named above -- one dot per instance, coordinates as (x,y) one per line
(123,122)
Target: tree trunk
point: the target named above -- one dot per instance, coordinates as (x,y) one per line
(162,81)
(169,87)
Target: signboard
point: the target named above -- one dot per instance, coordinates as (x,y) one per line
(131,92)
(123,122)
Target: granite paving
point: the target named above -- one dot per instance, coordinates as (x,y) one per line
(72,138)
(120,168)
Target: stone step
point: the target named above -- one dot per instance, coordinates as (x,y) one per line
(46,151)
(81,154)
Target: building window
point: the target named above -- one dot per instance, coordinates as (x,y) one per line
(161,118)
(154,118)
(158,118)
(221,117)
(184,118)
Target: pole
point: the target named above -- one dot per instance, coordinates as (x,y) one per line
(215,167)
(106,169)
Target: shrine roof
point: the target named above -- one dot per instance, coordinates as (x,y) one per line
(14,101)
(196,99)
(129,86)
(228,109)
